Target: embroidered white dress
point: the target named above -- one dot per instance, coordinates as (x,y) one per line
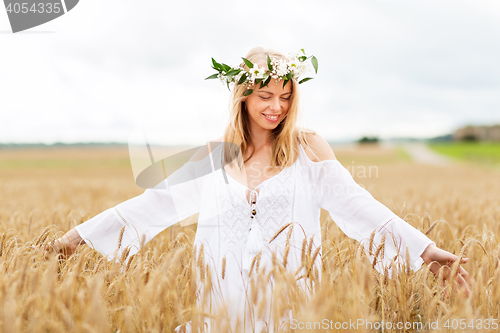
(227,230)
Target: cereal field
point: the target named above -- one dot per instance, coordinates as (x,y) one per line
(46,192)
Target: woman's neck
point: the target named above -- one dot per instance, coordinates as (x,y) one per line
(260,138)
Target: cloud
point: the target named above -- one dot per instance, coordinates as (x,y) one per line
(385,67)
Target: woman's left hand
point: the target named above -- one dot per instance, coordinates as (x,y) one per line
(436,257)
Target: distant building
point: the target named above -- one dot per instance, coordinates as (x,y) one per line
(477,133)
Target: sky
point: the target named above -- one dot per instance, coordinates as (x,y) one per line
(125,70)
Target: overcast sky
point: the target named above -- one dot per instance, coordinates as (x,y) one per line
(387,68)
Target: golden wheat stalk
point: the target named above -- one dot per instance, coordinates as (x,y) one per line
(223,267)
(303,252)
(432,227)
(129,262)
(251,266)
(2,241)
(382,242)
(287,248)
(120,237)
(257,263)
(279,231)
(125,254)
(370,245)
(40,239)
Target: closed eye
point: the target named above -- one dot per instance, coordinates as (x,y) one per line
(266,98)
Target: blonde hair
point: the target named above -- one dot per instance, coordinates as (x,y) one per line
(285,137)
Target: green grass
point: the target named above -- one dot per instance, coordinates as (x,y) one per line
(486,153)
(403,154)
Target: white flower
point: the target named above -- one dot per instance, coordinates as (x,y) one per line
(302,68)
(257,72)
(222,78)
(281,67)
(294,65)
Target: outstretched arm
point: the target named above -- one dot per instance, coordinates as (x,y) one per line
(136,221)
(362,217)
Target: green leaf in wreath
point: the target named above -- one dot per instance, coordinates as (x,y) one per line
(314,62)
(212,76)
(216,65)
(305,79)
(225,67)
(265,83)
(242,78)
(247,62)
(269,63)
(248,92)
(233,72)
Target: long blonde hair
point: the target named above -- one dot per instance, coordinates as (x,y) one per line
(285,137)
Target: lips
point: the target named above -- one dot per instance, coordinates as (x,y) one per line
(271,117)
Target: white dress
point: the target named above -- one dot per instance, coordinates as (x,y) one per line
(227,230)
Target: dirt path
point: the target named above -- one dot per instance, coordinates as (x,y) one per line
(422,154)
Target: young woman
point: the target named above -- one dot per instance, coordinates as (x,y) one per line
(265,185)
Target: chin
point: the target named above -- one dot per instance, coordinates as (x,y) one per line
(270,126)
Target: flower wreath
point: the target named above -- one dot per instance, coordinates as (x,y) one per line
(294,67)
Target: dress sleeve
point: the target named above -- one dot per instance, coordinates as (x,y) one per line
(146,215)
(358,214)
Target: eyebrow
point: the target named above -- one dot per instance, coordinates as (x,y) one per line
(268,92)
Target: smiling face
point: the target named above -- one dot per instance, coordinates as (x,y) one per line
(267,107)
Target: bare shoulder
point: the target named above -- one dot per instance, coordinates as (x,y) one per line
(318,149)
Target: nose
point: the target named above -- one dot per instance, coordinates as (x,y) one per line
(275,104)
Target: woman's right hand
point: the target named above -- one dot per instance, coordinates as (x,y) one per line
(66,244)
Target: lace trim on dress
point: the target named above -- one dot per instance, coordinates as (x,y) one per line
(274,207)
(234,216)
